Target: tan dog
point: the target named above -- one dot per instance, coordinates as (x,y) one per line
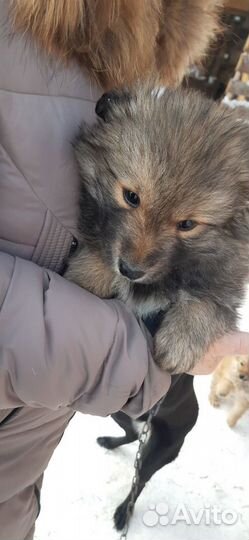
(118,42)
(231,378)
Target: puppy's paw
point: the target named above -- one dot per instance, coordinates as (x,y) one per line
(175,351)
(231,421)
(88,270)
(189,327)
(214,400)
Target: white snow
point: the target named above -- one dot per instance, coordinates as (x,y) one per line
(236,102)
(84,483)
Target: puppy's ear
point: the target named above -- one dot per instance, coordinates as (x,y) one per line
(109,103)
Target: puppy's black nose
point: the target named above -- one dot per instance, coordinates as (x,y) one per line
(242,377)
(129,271)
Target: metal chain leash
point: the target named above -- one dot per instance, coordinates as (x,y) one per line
(137,466)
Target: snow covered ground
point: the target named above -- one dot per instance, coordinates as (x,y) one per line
(203,495)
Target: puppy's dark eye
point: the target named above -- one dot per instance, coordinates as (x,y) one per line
(186,225)
(131,198)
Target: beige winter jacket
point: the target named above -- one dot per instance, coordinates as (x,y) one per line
(59,345)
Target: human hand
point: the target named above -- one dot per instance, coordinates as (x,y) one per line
(229,345)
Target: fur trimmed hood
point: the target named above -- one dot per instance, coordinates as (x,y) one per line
(119,41)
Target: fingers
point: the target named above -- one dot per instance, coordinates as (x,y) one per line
(231,344)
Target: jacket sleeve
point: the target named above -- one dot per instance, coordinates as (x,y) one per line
(61,346)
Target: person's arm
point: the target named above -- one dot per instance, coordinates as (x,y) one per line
(231,344)
(61,346)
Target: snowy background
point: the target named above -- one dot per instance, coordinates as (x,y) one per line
(84,483)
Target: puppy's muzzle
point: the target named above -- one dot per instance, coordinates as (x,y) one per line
(129,271)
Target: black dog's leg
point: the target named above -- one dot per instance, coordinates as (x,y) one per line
(130,434)
(157,453)
(177,416)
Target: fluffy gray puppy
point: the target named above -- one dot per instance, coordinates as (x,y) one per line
(164,215)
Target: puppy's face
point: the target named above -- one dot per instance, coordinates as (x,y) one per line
(242,368)
(165,183)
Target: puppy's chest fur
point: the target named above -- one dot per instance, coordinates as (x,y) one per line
(241,389)
(144,300)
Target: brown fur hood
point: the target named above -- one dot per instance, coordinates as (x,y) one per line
(118,41)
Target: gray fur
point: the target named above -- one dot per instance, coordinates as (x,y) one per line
(187,157)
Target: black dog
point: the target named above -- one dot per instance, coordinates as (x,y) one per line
(176,417)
